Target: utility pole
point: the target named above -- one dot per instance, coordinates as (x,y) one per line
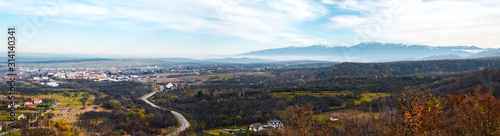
(29,120)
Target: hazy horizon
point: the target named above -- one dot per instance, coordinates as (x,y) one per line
(219,29)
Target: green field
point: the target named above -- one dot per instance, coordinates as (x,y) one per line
(318,94)
(73,100)
(369,96)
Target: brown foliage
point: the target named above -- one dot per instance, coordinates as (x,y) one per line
(418,113)
(303,123)
(422,113)
(53,128)
(363,126)
(472,115)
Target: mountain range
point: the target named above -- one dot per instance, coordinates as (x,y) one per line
(363,52)
(375,52)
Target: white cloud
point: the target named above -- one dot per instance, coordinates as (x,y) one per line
(347,21)
(284,22)
(76,9)
(255,20)
(437,22)
(295,38)
(355,5)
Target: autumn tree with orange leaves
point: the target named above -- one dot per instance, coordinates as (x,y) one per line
(417,113)
(422,113)
(51,128)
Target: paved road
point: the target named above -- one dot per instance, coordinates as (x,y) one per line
(184,122)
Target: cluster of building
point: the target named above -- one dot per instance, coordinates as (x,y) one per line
(33,102)
(270,124)
(275,124)
(87,75)
(29,104)
(84,74)
(97,74)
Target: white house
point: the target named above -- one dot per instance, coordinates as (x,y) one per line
(172,86)
(169,85)
(334,118)
(45,78)
(256,127)
(15,105)
(275,123)
(37,100)
(61,76)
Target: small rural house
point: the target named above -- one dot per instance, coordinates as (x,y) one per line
(172,86)
(15,105)
(37,100)
(275,123)
(334,118)
(256,127)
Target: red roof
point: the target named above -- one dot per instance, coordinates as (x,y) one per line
(30,105)
(36,99)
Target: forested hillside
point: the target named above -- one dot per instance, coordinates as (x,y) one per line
(235,98)
(429,67)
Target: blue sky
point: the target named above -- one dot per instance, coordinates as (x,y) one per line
(220,28)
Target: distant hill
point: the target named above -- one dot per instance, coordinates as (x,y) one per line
(175,59)
(400,68)
(105,62)
(366,52)
(484,80)
(415,67)
(89,63)
(239,60)
(487,53)
(363,52)
(31,60)
(497,54)
(442,57)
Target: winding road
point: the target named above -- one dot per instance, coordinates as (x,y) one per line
(184,122)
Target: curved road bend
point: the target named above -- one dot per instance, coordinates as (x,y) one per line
(184,122)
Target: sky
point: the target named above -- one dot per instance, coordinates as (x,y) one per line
(221,28)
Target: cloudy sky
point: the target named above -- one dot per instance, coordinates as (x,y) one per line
(217,28)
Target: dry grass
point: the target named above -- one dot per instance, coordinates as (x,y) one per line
(346,114)
(70,107)
(370,96)
(318,94)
